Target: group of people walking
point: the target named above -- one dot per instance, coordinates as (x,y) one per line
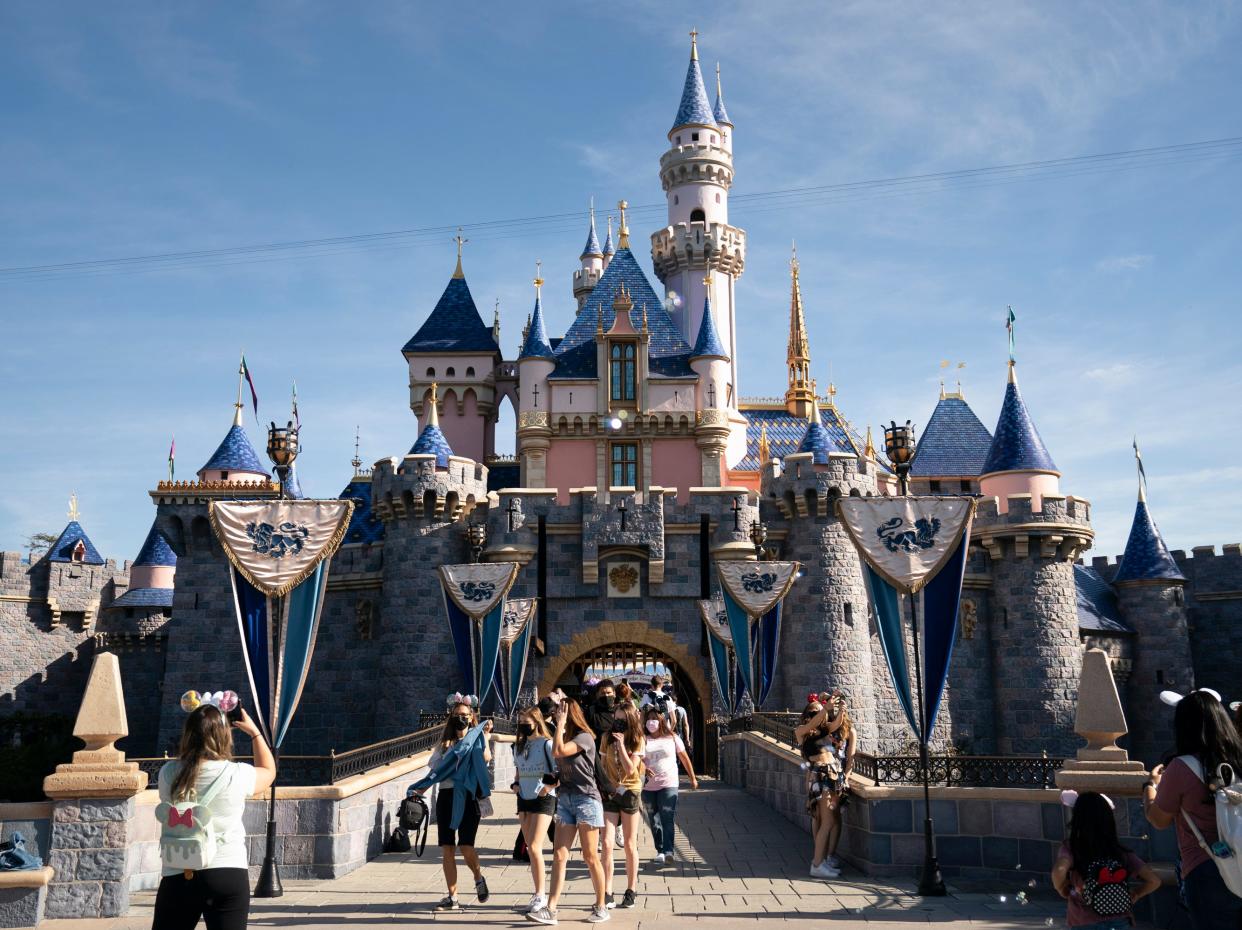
(586,772)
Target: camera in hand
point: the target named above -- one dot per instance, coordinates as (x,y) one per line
(551,778)
(234,715)
(619,725)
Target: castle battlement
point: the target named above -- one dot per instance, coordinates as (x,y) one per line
(698,245)
(797,486)
(415,487)
(1060,530)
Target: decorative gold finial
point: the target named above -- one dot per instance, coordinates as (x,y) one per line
(458,273)
(538,274)
(869,449)
(73,505)
(707,281)
(793,256)
(798,395)
(599,318)
(765,450)
(942,388)
(644,316)
(694,45)
(623,242)
(356,461)
(718,93)
(622,300)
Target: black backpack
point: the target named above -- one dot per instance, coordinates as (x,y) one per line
(1105,887)
(412,822)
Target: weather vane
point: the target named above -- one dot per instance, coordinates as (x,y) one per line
(73,505)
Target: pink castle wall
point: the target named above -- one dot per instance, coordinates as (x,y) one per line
(675,463)
(466,432)
(571,464)
(1036,484)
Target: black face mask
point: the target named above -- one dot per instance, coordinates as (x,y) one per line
(604,702)
(461,721)
(525,729)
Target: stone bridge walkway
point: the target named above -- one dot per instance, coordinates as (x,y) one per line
(738,865)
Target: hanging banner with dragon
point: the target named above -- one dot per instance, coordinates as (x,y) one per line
(752,593)
(474,599)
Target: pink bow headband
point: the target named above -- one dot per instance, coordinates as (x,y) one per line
(457,697)
(1069,798)
(224,701)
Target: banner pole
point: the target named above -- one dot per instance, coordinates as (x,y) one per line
(269,885)
(931,884)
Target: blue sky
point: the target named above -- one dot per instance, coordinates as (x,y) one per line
(133,129)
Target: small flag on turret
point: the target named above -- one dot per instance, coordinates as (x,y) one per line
(1009,327)
(172,455)
(1142,472)
(297,421)
(254,397)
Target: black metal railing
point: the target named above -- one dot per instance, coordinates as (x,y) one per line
(502,725)
(364,758)
(292,770)
(950,770)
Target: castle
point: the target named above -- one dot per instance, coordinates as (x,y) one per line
(639,466)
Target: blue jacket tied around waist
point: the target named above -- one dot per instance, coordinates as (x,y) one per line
(464,764)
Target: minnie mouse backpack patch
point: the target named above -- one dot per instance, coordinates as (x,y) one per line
(188,839)
(1105,889)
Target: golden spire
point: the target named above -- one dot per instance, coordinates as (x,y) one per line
(622,300)
(765,450)
(623,234)
(356,461)
(869,451)
(433,414)
(813,415)
(538,276)
(73,505)
(694,45)
(801,389)
(458,273)
(644,316)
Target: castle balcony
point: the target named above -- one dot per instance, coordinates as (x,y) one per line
(697,162)
(698,246)
(199,492)
(414,488)
(1060,530)
(585,281)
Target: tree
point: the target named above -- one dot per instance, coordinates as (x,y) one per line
(39,543)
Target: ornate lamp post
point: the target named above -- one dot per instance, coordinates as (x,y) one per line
(899,444)
(282,449)
(476,535)
(758,536)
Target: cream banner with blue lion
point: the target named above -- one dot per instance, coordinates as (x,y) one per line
(752,594)
(474,600)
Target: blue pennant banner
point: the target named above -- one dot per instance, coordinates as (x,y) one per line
(474,601)
(941,599)
(888,626)
(752,593)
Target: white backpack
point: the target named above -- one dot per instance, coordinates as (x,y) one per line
(188,838)
(1227,851)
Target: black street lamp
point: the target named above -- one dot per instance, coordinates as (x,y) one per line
(758,536)
(899,444)
(282,449)
(476,535)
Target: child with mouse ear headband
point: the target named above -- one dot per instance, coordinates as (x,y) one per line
(457,697)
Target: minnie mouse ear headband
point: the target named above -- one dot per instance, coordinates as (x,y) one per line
(1235,705)
(457,697)
(1172,698)
(1069,798)
(224,701)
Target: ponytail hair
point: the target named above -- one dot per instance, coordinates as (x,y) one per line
(206,737)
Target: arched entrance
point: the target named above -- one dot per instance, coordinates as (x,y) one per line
(633,649)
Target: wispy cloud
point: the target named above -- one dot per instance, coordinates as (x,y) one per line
(1118,264)
(1114,375)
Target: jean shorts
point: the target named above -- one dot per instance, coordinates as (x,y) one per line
(575,809)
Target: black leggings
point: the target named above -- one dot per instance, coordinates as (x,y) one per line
(220,896)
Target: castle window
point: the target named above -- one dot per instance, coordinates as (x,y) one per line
(224,476)
(1178,597)
(698,216)
(694,137)
(450,372)
(677,140)
(713,138)
(79,551)
(431,372)
(849,613)
(622,371)
(624,457)
(933,487)
(470,372)
(965,484)
(717,198)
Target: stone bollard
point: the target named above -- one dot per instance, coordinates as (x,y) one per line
(93,806)
(1101,765)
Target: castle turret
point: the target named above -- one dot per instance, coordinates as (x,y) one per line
(800,395)
(609,249)
(710,361)
(952,450)
(536,362)
(457,350)
(1017,462)
(1151,596)
(592,259)
(73,545)
(1032,535)
(698,244)
(152,574)
(431,440)
(721,115)
(235,461)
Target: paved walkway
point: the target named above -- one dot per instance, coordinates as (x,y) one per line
(738,865)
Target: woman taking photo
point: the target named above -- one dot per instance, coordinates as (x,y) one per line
(622,766)
(536,791)
(579,813)
(662,751)
(204,770)
(827,739)
(1206,739)
(461,718)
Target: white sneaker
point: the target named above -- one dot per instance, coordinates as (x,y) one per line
(534,904)
(598,915)
(824,870)
(659,859)
(542,916)
(833,863)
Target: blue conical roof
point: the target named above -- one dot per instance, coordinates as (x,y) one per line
(1016,445)
(591,249)
(708,343)
(609,248)
(694,109)
(536,344)
(718,111)
(155,550)
(235,453)
(1146,558)
(817,440)
(454,325)
(954,443)
(70,536)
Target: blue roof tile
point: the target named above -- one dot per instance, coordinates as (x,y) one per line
(235,453)
(62,549)
(955,442)
(1097,603)
(708,343)
(454,325)
(155,550)
(1146,558)
(1016,446)
(364,525)
(537,345)
(668,353)
(432,442)
(592,243)
(694,108)
(145,597)
(786,433)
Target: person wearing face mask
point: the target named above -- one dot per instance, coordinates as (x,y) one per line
(662,751)
(598,710)
(460,727)
(535,785)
